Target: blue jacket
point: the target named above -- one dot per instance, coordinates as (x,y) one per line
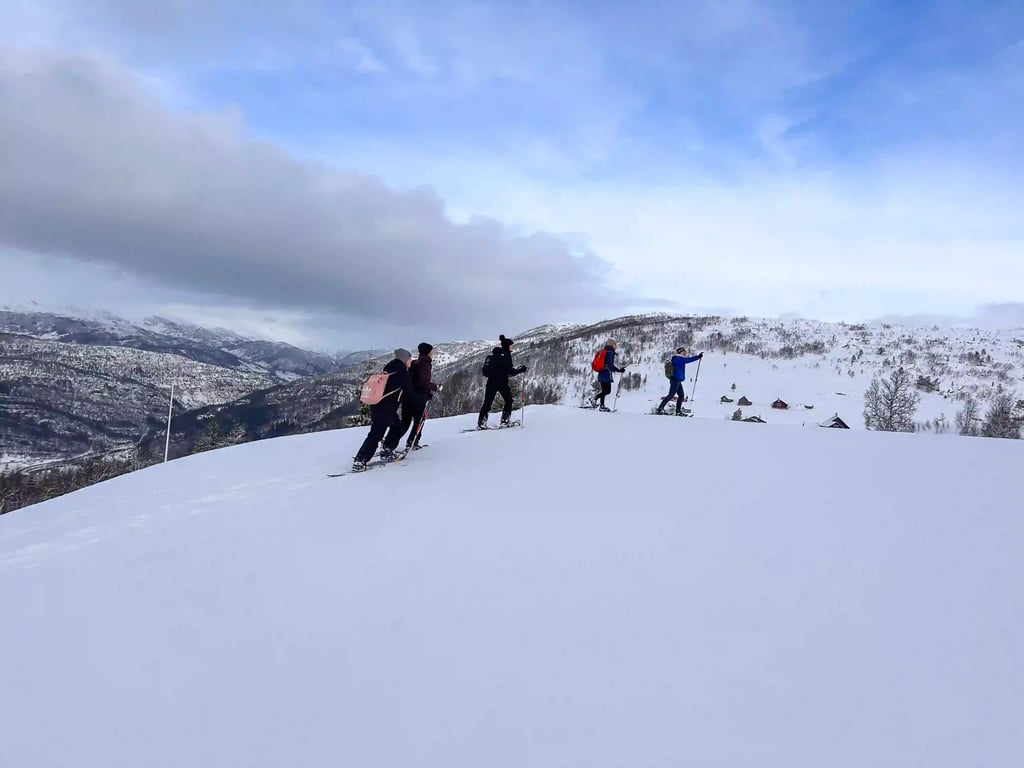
(679,364)
(609,366)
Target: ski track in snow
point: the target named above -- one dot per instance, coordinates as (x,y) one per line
(593,589)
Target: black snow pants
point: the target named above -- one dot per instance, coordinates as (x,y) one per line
(412,415)
(382,418)
(497,387)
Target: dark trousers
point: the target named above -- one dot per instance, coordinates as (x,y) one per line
(606,389)
(381,420)
(412,415)
(495,388)
(674,389)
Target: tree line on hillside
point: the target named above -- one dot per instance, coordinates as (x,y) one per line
(890,405)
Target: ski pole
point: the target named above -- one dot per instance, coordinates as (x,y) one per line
(419,429)
(695,377)
(522,417)
(615,402)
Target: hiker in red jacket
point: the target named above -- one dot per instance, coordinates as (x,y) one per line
(384,415)
(414,406)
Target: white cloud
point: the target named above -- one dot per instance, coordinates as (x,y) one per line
(99,171)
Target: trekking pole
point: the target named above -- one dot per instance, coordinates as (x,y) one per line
(695,377)
(419,429)
(615,402)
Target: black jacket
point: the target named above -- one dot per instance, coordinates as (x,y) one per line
(503,368)
(400,386)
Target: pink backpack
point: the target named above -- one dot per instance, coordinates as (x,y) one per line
(374,390)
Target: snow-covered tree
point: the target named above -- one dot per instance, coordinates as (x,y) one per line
(890,403)
(967,418)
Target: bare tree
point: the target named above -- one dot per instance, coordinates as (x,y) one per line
(967,419)
(889,404)
(1001,421)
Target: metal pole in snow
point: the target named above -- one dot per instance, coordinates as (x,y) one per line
(170,409)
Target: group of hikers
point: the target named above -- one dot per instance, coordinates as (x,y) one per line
(410,388)
(406,384)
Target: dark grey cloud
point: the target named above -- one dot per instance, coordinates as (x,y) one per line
(97,170)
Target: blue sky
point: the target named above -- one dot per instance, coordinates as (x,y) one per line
(838,160)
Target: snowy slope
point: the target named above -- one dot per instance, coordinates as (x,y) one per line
(594,589)
(826,366)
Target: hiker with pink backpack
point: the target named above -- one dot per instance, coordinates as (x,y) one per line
(384,392)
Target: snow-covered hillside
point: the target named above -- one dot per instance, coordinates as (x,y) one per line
(819,369)
(593,589)
(71,385)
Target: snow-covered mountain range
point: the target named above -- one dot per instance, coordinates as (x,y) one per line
(591,589)
(249,389)
(71,385)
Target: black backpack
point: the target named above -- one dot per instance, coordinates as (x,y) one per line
(670,369)
(490,366)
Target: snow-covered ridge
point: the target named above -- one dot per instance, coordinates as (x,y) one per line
(819,369)
(593,589)
(71,385)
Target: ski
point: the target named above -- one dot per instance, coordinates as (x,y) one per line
(375,464)
(510,425)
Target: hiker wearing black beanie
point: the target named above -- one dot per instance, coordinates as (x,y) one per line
(498,368)
(415,406)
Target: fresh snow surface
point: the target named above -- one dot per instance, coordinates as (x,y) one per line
(592,590)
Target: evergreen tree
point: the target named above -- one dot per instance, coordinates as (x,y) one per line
(1001,420)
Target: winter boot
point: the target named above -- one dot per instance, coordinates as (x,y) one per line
(358,465)
(605,408)
(481,424)
(387,454)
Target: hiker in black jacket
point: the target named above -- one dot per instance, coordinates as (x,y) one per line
(384,415)
(497,382)
(414,406)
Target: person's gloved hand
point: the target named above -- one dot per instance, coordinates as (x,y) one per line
(522,369)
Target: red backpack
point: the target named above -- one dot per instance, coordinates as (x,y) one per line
(598,364)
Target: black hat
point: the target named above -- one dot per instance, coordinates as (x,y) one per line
(505,342)
(424,348)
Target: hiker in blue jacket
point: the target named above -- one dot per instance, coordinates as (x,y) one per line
(604,376)
(675,389)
